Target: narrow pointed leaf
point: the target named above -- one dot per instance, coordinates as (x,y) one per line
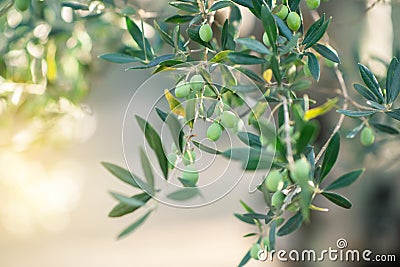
(155,143)
(313,28)
(220,4)
(164,36)
(137,35)
(351,134)
(146,166)
(175,127)
(384,128)
(244,59)
(283,28)
(254,45)
(133,226)
(313,65)
(133,202)
(395,114)
(123,174)
(249,139)
(291,225)
(122,209)
(365,92)
(119,58)
(345,180)
(269,26)
(327,52)
(370,81)
(330,156)
(356,113)
(184,194)
(393,80)
(338,199)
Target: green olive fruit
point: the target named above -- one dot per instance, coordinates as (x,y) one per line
(266,40)
(293,21)
(255,249)
(190,175)
(22,5)
(274,181)
(367,137)
(205,33)
(189,157)
(172,159)
(214,132)
(283,12)
(228,119)
(265,242)
(313,4)
(196,82)
(292,207)
(277,199)
(182,89)
(301,169)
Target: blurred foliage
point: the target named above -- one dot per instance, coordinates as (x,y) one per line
(47,50)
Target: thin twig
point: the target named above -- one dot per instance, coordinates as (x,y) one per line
(339,76)
(289,150)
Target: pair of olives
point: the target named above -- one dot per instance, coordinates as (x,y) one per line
(228,120)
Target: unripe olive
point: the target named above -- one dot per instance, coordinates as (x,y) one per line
(172,159)
(293,21)
(189,157)
(301,169)
(265,242)
(277,199)
(367,136)
(196,82)
(205,33)
(214,132)
(266,40)
(182,89)
(274,181)
(22,5)
(190,175)
(255,249)
(283,12)
(313,4)
(228,119)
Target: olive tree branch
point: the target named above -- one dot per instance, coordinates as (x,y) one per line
(289,150)
(342,83)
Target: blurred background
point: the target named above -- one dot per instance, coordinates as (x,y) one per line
(61,112)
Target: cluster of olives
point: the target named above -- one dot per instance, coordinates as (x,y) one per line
(190,174)
(196,83)
(227,119)
(292,18)
(276,181)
